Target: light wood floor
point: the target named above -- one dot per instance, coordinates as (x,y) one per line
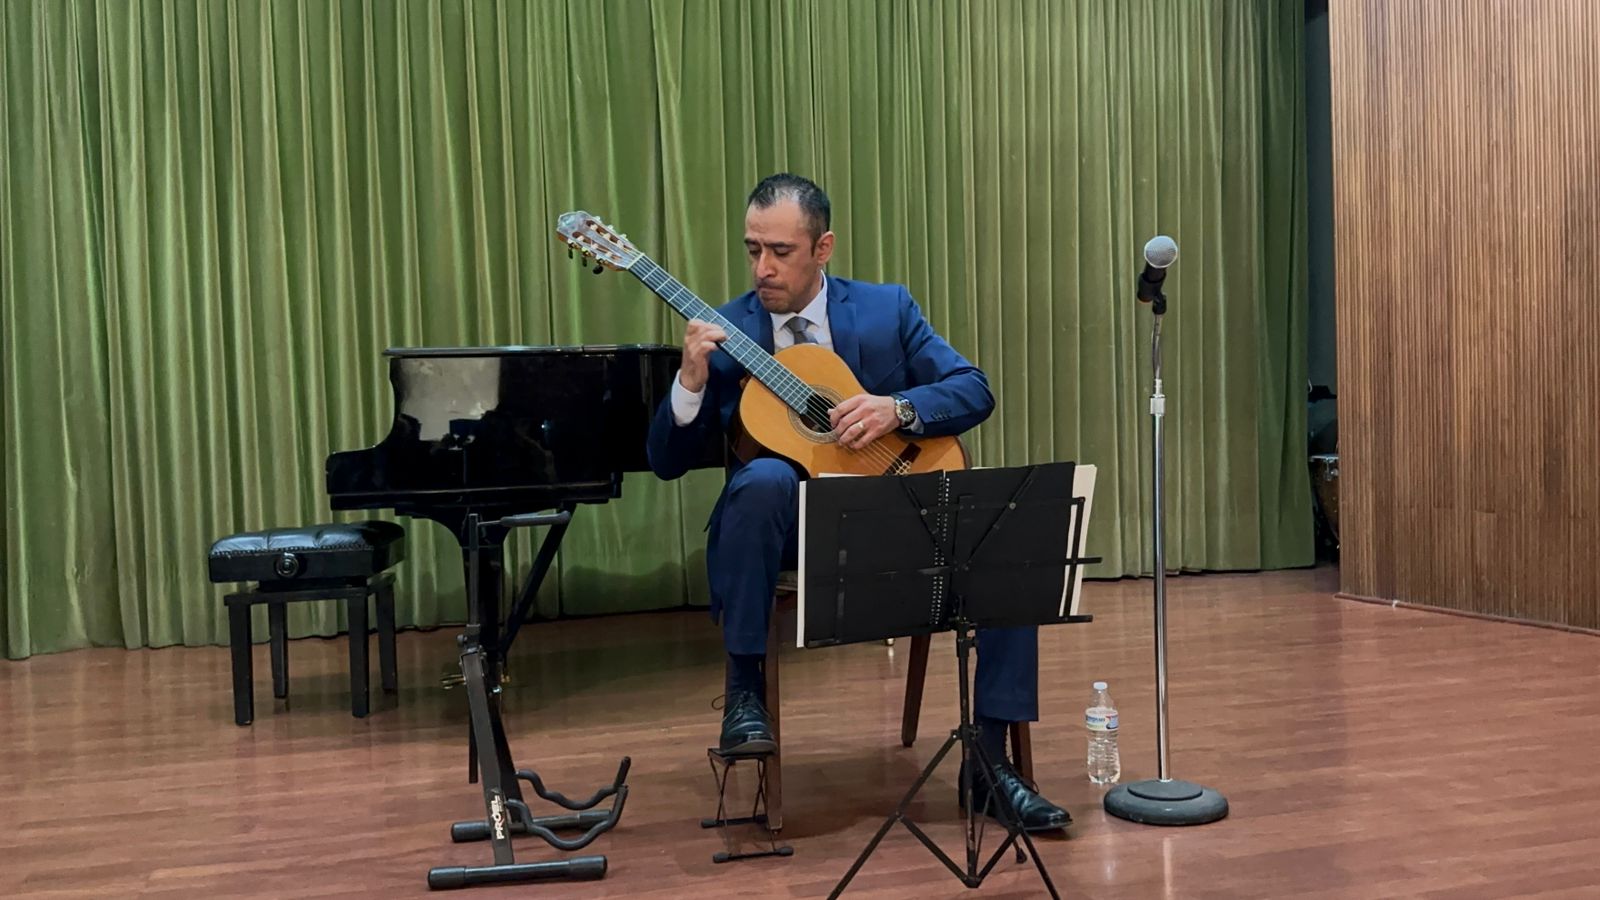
(1366,752)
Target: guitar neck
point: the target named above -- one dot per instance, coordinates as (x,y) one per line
(745,351)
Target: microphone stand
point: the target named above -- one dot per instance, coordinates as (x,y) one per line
(1162,801)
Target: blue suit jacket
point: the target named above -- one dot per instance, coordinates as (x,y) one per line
(880,333)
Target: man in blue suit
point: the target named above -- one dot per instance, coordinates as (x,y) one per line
(915,381)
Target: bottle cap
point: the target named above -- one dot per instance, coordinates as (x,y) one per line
(1099,685)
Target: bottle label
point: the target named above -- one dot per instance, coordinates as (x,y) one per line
(1100,720)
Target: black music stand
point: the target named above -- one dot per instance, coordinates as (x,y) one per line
(505,812)
(945,551)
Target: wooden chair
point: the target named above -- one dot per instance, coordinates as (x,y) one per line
(916,673)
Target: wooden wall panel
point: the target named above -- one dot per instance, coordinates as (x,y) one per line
(1466,200)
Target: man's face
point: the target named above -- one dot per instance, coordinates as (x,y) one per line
(785,263)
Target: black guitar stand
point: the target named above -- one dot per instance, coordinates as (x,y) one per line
(722,763)
(505,812)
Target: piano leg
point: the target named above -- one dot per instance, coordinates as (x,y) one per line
(490,578)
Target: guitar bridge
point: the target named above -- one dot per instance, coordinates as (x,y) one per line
(903,461)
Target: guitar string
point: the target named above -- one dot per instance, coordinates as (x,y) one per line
(790,388)
(815,415)
(815,412)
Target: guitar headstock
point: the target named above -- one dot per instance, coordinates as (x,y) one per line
(596,240)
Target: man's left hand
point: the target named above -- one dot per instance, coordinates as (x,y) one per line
(863,419)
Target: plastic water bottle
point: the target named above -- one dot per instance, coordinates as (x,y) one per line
(1100,720)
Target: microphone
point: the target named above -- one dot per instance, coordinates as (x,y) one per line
(1160,252)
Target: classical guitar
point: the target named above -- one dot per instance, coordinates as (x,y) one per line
(785,403)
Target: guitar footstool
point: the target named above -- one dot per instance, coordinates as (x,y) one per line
(315,562)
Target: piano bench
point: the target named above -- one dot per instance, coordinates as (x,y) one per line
(316,562)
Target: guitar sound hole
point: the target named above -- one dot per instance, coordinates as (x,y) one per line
(814,425)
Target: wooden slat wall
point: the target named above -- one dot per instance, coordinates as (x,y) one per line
(1466,196)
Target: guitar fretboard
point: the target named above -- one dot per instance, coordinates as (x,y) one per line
(745,351)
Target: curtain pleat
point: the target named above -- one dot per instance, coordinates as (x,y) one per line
(215,216)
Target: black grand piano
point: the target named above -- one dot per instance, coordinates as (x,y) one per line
(484,440)
(501,431)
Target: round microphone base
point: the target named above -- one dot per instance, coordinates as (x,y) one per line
(1155,802)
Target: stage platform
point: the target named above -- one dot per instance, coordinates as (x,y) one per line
(1365,751)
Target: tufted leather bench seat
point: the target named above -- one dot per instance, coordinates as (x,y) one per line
(348,562)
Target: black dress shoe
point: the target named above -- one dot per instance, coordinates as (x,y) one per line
(746,727)
(1038,814)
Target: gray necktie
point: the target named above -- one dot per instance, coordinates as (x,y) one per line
(798,326)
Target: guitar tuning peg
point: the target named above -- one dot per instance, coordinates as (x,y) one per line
(598,268)
(569,253)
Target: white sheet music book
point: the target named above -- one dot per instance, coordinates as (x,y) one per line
(1082,486)
(1083,476)
(800,572)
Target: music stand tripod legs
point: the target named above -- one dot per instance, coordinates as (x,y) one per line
(973,757)
(947,551)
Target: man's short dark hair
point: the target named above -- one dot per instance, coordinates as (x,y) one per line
(784,186)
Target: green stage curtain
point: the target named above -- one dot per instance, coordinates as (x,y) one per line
(214,217)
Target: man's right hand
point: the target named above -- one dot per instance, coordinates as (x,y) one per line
(699,340)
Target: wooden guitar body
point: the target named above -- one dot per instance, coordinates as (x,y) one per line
(768,421)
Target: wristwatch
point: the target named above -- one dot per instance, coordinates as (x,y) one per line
(904,411)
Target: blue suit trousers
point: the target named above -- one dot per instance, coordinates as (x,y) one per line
(757,538)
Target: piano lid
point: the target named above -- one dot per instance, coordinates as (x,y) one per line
(524,427)
(524,350)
